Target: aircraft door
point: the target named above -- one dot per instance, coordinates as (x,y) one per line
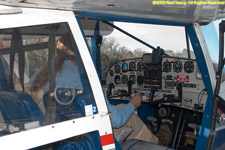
(49,89)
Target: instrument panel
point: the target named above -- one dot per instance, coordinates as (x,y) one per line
(172,81)
(124,71)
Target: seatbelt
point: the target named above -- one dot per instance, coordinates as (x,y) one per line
(51,103)
(16,46)
(21,58)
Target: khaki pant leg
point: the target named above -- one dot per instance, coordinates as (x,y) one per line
(140,130)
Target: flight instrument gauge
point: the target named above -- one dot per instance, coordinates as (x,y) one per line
(124,67)
(140,80)
(124,79)
(189,66)
(139,66)
(117,69)
(132,66)
(167,66)
(177,66)
(117,79)
(132,79)
(111,73)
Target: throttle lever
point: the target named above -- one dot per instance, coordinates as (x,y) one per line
(129,86)
(179,90)
(109,90)
(152,93)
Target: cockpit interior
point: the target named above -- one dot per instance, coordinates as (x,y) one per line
(171,87)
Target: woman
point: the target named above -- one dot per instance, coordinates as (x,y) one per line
(67,71)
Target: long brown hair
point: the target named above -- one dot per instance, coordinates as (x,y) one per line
(64,52)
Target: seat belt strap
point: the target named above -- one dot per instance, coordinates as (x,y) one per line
(12,58)
(17,47)
(21,58)
(51,103)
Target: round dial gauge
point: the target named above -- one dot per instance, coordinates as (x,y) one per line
(140,80)
(177,66)
(167,66)
(117,69)
(124,67)
(139,66)
(132,79)
(117,79)
(111,73)
(189,66)
(132,66)
(124,79)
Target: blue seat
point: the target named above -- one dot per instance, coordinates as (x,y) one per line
(19,108)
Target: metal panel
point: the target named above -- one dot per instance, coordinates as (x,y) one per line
(175,11)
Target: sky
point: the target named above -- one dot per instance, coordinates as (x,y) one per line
(167,37)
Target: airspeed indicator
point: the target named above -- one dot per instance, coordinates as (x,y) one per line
(189,67)
(177,66)
(167,66)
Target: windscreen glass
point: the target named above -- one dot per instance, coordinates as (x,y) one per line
(42,78)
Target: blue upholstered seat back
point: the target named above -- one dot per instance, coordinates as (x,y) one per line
(18,107)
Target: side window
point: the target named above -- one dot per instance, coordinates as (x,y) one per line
(46,80)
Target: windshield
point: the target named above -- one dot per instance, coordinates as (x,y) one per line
(118,46)
(219,123)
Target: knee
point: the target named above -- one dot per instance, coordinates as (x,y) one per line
(120,105)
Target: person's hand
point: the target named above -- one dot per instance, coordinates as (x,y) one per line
(136,100)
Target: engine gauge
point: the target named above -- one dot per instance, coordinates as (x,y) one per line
(177,66)
(132,79)
(124,79)
(117,69)
(132,66)
(124,67)
(139,66)
(140,80)
(111,73)
(117,79)
(189,66)
(167,66)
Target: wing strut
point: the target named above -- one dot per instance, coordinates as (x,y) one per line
(130,35)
